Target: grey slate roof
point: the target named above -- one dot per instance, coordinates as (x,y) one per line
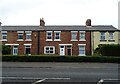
(60,28)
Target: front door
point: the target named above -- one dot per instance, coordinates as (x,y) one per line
(69,52)
(62,50)
(15,50)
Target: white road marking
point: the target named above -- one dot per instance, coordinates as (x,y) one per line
(58,78)
(39,81)
(102,80)
(50,79)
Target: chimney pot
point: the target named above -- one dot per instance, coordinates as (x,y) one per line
(42,23)
(88,22)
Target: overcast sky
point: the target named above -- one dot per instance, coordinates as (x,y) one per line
(59,12)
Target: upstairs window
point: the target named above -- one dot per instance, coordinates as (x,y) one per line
(111,35)
(28,35)
(102,36)
(82,36)
(20,35)
(73,35)
(57,35)
(4,35)
(49,36)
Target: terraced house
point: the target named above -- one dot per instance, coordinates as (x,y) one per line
(62,39)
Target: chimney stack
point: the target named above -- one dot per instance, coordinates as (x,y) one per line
(88,22)
(42,23)
(0,23)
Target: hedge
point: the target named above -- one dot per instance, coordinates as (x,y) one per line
(101,59)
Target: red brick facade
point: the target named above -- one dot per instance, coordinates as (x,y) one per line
(12,38)
(38,48)
(65,39)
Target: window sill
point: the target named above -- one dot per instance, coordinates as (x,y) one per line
(49,53)
(82,40)
(112,40)
(103,40)
(3,40)
(19,40)
(49,40)
(57,40)
(81,55)
(74,40)
(28,40)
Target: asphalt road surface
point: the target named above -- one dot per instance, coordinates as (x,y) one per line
(59,73)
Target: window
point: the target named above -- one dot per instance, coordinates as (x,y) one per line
(28,36)
(57,36)
(110,35)
(81,50)
(49,36)
(82,35)
(27,49)
(49,50)
(15,50)
(4,36)
(102,37)
(73,35)
(20,36)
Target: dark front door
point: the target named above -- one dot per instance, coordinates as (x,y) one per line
(69,52)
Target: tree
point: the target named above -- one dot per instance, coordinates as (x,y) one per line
(6,49)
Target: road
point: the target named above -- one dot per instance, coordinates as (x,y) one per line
(40,72)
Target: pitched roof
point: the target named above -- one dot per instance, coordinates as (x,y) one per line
(60,28)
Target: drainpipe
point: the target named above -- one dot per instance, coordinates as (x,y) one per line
(38,42)
(90,43)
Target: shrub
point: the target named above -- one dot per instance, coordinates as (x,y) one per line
(108,50)
(6,49)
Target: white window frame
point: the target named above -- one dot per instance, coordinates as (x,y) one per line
(48,36)
(19,38)
(5,35)
(111,37)
(102,36)
(74,34)
(59,32)
(20,33)
(15,47)
(82,45)
(27,46)
(49,49)
(81,37)
(28,33)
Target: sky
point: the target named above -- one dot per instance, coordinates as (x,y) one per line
(59,12)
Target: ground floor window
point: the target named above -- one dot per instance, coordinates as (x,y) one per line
(82,50)
(15,50)
(49,50)
(27,49)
